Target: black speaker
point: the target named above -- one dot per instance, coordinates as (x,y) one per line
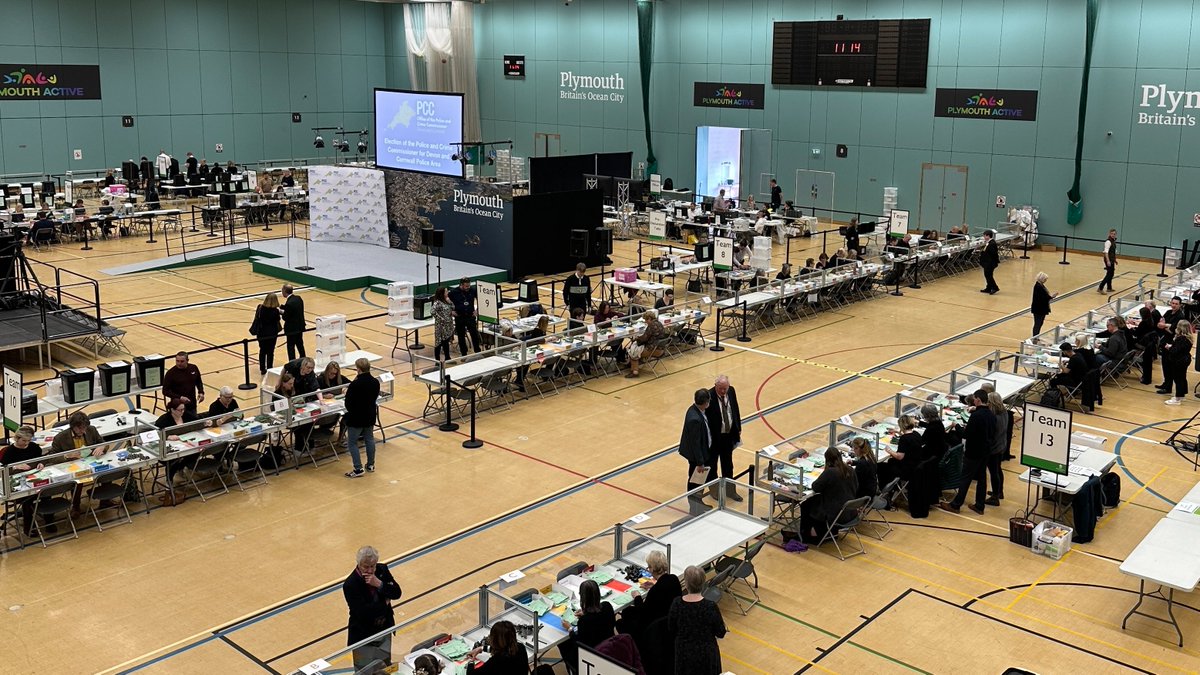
(602,241)
(129,171)
(433,238)
(579,243)
(228,200)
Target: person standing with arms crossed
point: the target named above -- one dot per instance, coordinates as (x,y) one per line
(465,315)
(725,427)
(1110,262)
(293,322)
(362,405)
(369,591)
(695,444)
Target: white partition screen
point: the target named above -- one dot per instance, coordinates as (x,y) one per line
(347,203)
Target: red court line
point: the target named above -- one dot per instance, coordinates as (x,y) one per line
(758,396)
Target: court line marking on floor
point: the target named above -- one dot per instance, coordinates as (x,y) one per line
(807,362)
(1042,577)
(204,637)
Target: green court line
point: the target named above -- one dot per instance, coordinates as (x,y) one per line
(826,633)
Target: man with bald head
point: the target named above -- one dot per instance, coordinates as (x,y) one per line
(725,423)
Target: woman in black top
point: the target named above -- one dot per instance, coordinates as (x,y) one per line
(834,487)
(1176,357)
(177,415)
(19,456)
(933,441)
(267,317)
(508,656)
(866,470)
(597,621)
(1040,306)
(696,623)
(662,588)
(904,459)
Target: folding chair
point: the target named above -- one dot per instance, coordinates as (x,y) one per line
(497,387)
(1113,370)
(654,355)
(209,463)
(110,486)
(741,570)
(713,588)
(848,520)
(576,569)
(52,501)
(880,505)
(241,453)
(435,403)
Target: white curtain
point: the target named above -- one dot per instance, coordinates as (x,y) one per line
(440,37)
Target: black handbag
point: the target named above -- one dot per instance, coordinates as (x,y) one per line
(254,324)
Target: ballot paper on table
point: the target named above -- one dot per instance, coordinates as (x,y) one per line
(1188,507)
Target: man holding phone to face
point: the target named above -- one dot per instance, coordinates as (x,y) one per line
(369,591)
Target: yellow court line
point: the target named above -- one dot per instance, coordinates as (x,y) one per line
(740,662)
(988,603)
(1145,486)
(764,643)
(1040,579)
(817,364)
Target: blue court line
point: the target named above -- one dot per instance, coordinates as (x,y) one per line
(579,488)
(1121,462)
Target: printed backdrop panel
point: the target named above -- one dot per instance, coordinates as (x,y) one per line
(347,203)
(477,217)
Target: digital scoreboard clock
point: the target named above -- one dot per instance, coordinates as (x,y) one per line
(872,53)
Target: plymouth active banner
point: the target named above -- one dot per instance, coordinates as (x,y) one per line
(477,217)
(29,82)
(987,104)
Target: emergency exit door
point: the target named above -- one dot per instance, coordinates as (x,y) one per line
(943,197)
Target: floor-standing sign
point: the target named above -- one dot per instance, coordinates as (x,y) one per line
(12,398)
(722,253)
(489,302)
(658,225)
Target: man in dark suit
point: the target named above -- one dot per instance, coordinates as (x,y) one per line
(146,167)
(978,439)
(695,444)
(369,591)
(776,195)
(466,319)
(725,425)
(989,260)
(293,322)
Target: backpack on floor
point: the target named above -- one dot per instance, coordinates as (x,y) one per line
(1051,398)
(1110,487)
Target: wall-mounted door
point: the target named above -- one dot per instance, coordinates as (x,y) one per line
(943,202)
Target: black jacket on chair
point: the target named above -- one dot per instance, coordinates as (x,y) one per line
(370,608)
(362,401)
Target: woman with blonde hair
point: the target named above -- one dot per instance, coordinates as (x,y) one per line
(866,469)
(266,329)
(1040,306)
(999,448)
(1177,356)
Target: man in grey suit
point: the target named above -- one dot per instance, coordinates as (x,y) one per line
(695,444)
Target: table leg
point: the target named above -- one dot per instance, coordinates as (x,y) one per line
(416,344)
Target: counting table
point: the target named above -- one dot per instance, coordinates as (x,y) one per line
(1169,558)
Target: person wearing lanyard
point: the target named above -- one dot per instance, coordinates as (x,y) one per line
(368,591)
(725,427)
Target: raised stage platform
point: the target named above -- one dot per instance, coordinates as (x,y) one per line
(336,266)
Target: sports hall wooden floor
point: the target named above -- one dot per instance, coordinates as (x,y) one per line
(248,582)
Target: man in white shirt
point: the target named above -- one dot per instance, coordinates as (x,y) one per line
(162,163)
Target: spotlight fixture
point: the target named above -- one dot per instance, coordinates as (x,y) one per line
(341,145)
(491,157)
(362,147)
(318,142)
(454,157)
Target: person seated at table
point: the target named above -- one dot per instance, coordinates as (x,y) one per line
(288,180)
(1073,375)
(595,622)
(19,456)
(955,233)
(330,378)
(214,175)
(652,599)
(532,309)
(1114,348)
(223,408)
(534,336)
(822,261)
(832,489)
(741,256)
(667,300)
(604,312)
(287,385)
(17,213)
(79,434)
(507,656)
(866,468)
(302,369)
(177,415)
(578,315)
(760,224)
(109,179)
(42,230)
(902,462)
(645,346)
(785,272)
(933,441)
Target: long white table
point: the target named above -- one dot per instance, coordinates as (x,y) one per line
(1187,516)
(271,379)
(1008,385)
(1168,557)
(119,424)
(700,540)
(464,371)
